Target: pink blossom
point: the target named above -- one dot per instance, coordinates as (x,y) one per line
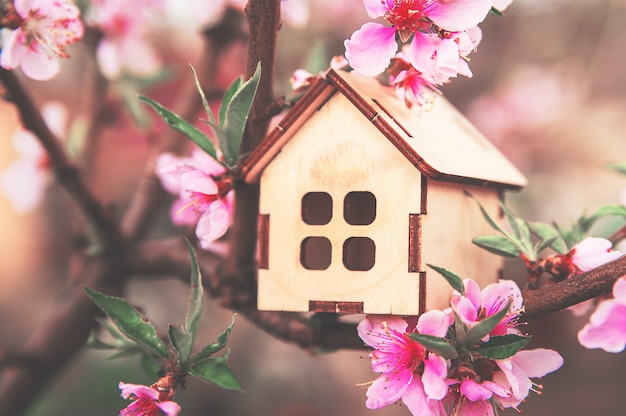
(125,27)
(440,59)
(371,48)
(408,371)
(43,29)
(475,389)
(147,401)
(607,325)
(24,181)
(203,198)
(593,252)
(409,83)
(478,305)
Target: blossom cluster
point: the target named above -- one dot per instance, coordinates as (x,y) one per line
(204,199)
(465,360)
(436,37)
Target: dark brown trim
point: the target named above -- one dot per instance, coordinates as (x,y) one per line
(422,299)
(405,149)
(335,307)
(423,195)
(415,243)
(264,241)
(317,95)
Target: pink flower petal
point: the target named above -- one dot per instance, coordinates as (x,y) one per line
(372,326)
(137,390)
(422,51)
(13,49)
(371,48)
(593,252)
(538,362)
(607,325)
(459,15)
(169,408)
(378,8)
(416,401)
(434,377)
(475,391)
(434,323)
(198,181)
(39,66)
(212,224)
(388,389)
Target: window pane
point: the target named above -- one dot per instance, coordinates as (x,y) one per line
(359,253)
(317,208)
(315,253)
(359,208)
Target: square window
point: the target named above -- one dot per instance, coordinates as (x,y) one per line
(317,208)
(359,208)
(315,253)
(359,253)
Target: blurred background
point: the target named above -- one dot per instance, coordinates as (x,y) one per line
(549,89)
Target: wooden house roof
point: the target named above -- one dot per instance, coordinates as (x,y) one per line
(439,141)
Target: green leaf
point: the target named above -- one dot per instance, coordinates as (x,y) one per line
(497,244)
(604,211)
(218,345)
(129,321)
(182,341)
(453,279)
(495,12)
(486,215)
(196,292)
(439,346)
(236,116)
(521,232)
(174,121)
(484,327)
(148,365)
(501,347)
(217,371)
(542,245)
(547,232)
(228,96)
(619,167)
(205,104)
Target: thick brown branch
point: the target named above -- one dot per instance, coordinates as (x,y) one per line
(569,292)
(264,21)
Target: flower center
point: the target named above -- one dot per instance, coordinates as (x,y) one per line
(52,35)
(408,16)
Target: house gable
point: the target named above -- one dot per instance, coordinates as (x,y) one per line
(438,141)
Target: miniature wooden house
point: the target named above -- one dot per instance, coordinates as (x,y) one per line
(358,194)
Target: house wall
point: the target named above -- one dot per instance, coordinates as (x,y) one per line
(338,151)
(452,219)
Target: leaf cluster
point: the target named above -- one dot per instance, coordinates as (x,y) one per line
(529,238)
(134,334)
(230,124)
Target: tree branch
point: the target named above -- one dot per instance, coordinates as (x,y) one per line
(263,21)
(66,172)
(579,288)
